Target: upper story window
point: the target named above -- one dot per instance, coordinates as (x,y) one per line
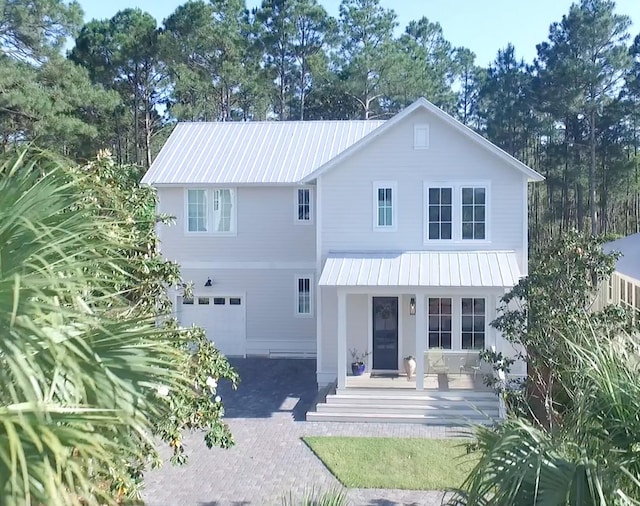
(439,213)
(197,210)
(473,213)
(473,323)
(303,296)
(217,217)
(384,209)
(456,212)
(303,207)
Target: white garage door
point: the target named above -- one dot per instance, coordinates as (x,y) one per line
(222,318)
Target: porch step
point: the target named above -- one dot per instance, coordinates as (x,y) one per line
(454,421)
(444,407)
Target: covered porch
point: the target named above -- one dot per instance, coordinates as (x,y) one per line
(433,306)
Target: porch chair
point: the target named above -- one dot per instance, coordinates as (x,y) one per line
(470,362)
(436,362)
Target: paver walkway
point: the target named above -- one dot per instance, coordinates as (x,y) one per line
(269,461)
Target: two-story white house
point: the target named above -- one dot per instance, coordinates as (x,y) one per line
(314,238)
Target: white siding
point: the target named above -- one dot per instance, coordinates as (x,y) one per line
(346,191)
(266,230)
(272,325)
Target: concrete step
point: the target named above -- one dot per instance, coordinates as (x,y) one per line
(455,409)
(390,399)
(412,392)
(316,416)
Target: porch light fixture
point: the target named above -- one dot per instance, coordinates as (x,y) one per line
(209,282)
(412,306)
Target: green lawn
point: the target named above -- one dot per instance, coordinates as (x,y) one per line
(415,464)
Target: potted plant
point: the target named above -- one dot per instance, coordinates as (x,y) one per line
(357,361)
(410,366)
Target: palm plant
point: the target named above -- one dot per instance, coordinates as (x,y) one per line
(79,375)
(592,457)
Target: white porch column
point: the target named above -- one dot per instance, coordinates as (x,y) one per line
(342,339)
(421,337)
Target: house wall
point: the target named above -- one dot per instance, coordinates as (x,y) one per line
(347,192)
(272,327)
(266,230)
(619,289)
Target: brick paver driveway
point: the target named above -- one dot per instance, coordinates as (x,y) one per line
(269,461)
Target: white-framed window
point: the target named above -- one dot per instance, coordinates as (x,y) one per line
(304,296)
(211,210)
(473,323)
(421,136)
(303,205)
(474,206)
(439,213)
(197,210)
(385,198)
(440,319)
(457,212)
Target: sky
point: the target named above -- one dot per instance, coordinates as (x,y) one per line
(484,26)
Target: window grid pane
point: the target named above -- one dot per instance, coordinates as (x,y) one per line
(473,322)
(222,208)
(304,204)
(440,213)
(439,323)
(473,213)
(385,207)
(197,210)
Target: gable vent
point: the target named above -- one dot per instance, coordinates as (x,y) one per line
(421,136)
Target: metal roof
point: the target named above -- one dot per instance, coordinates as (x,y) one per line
(252,152)
(629,263)
(422,268)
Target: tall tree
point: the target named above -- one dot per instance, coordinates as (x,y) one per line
(587,58)
(123,54)
(366,56)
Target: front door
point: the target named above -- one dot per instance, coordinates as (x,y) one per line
(385,333)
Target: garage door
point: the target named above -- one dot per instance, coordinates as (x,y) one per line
(222,318)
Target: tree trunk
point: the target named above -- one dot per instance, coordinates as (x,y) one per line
(592,177)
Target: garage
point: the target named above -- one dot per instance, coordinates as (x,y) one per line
(222,317)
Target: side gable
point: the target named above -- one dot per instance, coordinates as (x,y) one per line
(423,103)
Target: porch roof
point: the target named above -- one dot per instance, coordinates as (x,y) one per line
(422,268)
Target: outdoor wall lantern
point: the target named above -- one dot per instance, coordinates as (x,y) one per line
(209,282)
(412,306)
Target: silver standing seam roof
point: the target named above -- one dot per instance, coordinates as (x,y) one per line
(422,268)
(267,152)
(629,263)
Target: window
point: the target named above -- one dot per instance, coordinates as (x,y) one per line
(211,211)
(473,213)
(440,323)
(303,296)
(456,212)
(218,301)
(638,297)
(439,214)
(303,205)
(384,195)
(197,210)
(623,290)
(187,300)
(421,136)
(473,324)
(234,301)
(222,209)
(203,301)
(610,289)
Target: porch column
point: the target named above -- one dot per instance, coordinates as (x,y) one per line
(342,339)
(421,333)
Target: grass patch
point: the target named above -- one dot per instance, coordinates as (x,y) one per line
(405,463)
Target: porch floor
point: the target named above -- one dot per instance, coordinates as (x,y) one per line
(440,382)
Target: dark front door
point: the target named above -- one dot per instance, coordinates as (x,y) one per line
(385,333)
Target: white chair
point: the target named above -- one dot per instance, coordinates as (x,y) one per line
(437,362)
(470,362)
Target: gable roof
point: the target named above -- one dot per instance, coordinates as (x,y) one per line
(267,152)
(629,263)
(423,103)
